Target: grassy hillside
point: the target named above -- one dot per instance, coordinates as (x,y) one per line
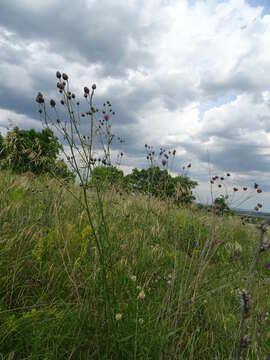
(168,285)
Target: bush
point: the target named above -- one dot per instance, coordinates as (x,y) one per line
(106,176)
(161,184)
(29,150)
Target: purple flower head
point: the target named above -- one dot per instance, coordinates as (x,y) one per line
(164,162)
(267,266)
(106,117)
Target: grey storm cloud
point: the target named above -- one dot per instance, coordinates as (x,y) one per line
(99,33)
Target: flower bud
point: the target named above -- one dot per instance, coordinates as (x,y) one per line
(52,103)
(65,77)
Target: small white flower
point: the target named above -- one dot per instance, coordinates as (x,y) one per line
(141,321)
(118,317)
(141,295)
(133,278)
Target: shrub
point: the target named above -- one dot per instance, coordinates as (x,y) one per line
(161,184)
(29,150)
(106,176)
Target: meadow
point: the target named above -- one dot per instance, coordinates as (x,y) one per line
(174,277)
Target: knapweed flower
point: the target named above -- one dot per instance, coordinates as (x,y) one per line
(163,162)
(118,316)
(52,103)
(141,295)
(106,117)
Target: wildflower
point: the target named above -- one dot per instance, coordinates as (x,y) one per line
(267,266)
(118,316)
(141,321)
(39,98)
(133,278)
(141,295)
(106,117)
(164,162)
(52,103)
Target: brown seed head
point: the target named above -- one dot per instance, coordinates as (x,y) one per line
(65,77)
(94,86)
(58,74)
(52,103)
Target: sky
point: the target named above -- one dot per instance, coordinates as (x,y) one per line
(187,75)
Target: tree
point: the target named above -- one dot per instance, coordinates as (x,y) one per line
(221,206)
(29,150)
(105,176)
(161,184)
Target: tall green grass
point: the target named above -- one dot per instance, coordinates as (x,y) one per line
(174,277)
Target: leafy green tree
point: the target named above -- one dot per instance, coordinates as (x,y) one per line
(105,176)
(161,184)
(29,150)
(221,206)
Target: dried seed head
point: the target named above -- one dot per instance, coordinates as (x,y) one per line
(86,90)
(259,191)
(94,86)
(235,189)
(62,102)
(52,103)
(228,174)
(39,98)
(106,117)
(65,77)
(58,74)
(164,162)
(245,188)
(73,96)
(256,186)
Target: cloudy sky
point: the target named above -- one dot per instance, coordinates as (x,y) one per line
(193,75)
